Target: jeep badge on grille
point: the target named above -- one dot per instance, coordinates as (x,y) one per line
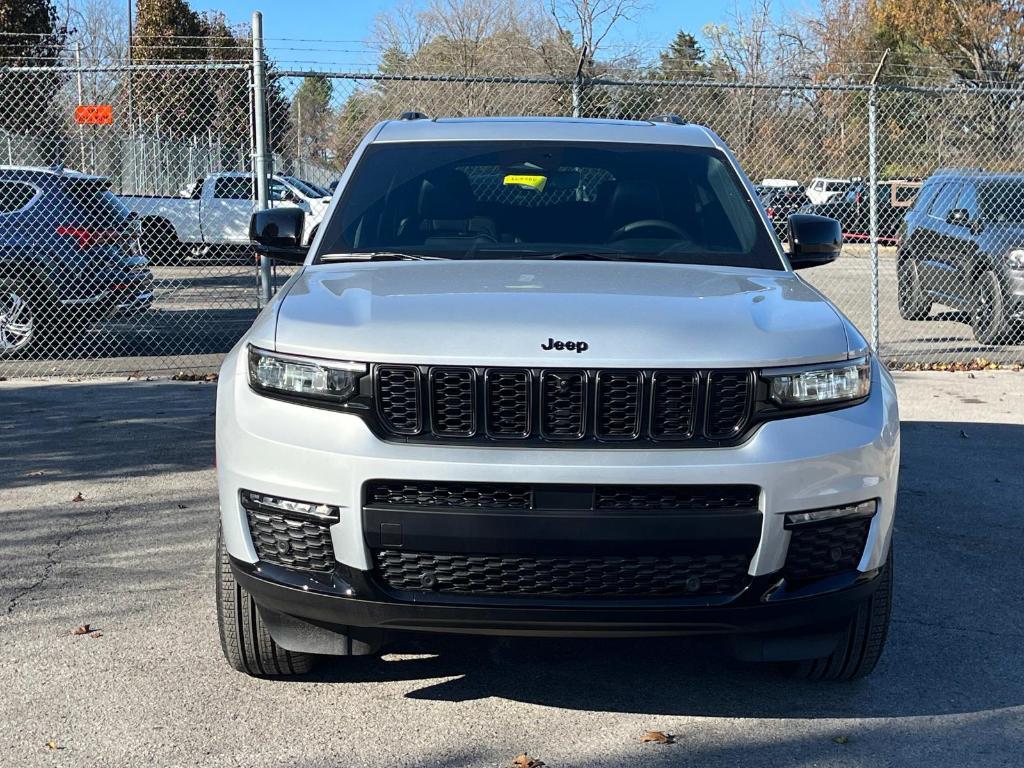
(572,346)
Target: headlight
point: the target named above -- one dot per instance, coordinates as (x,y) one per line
(328,380)
(819,384)
(1015,259)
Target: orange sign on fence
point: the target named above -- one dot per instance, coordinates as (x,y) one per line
(94,114)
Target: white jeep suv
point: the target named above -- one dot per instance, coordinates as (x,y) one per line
(552,377)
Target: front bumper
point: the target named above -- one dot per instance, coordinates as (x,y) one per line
(766,606)
(830,459)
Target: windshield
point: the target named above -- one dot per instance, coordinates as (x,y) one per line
(303,187)
(315,187)
(535,199)
(1002,202)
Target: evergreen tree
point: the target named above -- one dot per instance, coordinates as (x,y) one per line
(30,37)
(684,59)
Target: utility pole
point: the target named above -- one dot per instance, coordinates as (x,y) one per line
(131,118)
(260,159)
(873,198)
(78,81)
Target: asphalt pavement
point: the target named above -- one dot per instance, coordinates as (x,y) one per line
(134,559)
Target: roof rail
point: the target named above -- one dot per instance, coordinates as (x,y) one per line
(413,116)
(668,118)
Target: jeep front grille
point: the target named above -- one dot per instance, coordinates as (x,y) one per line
(451,404)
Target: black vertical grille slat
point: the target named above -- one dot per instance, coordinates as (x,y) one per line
(397,392)
(564,404)
(618,404)
(453,402)
(508,403)
(728,403)
(674,404)
(670,407)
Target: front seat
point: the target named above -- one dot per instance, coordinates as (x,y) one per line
(445,209)
(630,200)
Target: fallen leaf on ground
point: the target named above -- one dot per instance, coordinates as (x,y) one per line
(658,737)
(83,629)
(525,761)
(53,746)
(79,497)
(841,739)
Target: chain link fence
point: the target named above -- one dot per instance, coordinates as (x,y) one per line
(138,261)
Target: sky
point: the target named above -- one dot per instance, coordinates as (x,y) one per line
(352,21)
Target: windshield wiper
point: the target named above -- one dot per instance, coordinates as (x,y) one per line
(379,256)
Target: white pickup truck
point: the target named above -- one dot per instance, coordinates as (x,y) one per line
(211,216)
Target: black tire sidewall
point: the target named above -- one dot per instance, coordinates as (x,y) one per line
(993,328)
(913,305)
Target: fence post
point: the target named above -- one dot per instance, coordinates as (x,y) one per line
(260,160)
(78,83)
(873,198)
(577,85)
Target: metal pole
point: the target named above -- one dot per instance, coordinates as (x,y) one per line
(131,121)
(298,137)
(260,160)
(78,80)
(577,85)
(873,198)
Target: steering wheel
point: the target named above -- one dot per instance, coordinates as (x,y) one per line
(658,225)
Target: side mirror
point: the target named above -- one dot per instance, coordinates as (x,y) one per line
(958,216)
(813,240)
(277,233)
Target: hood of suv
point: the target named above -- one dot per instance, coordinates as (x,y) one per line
(510,312)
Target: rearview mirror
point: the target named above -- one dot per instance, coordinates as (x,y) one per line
(277,233)
(813,240)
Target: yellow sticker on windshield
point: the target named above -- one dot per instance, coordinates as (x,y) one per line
(525,181)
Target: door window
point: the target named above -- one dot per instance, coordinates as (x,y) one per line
(233,188)
(943,202)
(968,200)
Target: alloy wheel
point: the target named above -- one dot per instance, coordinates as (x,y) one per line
(17,325)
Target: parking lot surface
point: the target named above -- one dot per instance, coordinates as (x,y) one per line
(134,559)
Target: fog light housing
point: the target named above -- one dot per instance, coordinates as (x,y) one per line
(322,512)
(848,512)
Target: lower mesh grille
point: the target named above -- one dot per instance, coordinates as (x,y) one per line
(469,495)
(642,576)
(823,549)
(291,539)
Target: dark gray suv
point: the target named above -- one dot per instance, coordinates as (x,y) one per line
(69,256)
(962,246)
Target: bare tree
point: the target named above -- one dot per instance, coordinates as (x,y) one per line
(586,24)
(98,38)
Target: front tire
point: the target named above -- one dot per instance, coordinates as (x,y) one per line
(911,298)
(988,318)
(244,638)
(160,243)
(862,645)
